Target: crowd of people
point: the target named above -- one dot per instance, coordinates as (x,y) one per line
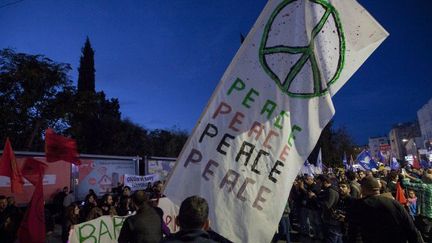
(345,206)
(364,206)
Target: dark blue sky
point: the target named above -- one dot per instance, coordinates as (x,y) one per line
(163,59)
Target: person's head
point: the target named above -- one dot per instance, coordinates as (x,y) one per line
(107,200)
(90,199)
(91,191)
(427,176)
(65,189)
(361,175)
(411,194)
(158,186)
(324,180)
(351,175)
(11,201)
(140,199)
(309,179)
(72,211)
(344,189)
(3,203)
(193,214)
(126,191)
(370,186)
(393,176)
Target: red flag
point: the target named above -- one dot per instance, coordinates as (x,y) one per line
(400,194)
(33,170)
(416,163)
(8,167)
(58,147)
(32,228)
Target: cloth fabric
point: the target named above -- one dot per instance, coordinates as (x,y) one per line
(424,196)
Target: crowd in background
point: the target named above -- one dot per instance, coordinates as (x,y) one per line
(364,206)
(344,206)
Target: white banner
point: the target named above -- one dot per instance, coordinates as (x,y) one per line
(105,229)
(137,182)
(170,213)
(47,180)
(268,111)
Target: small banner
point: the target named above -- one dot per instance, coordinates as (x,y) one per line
(137,182)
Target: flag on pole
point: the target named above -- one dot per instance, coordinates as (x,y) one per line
(32,228)
(366,160)
(400,194)
(58,147)
(345,162)
(394,164)
(268,111)
(380,157)
(416,163)
(319,164)
(9,167)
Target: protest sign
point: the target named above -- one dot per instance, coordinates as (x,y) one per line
(104,229)
(136,182)
(170,213)
(268,111)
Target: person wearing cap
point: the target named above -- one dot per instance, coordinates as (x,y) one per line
(423,189)
(379,219)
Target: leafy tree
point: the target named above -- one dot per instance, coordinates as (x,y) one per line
(167,143)
(35,93)
(333,144)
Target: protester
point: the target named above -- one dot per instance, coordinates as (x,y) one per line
(344,204)
(125,207)
(90,202)
(193,221)
(327,200)
(58,202)
(72,216)
(423,189)
(310,215)
(412,203)
(105,208)
(354,185)
(379,219)
(69,199)
(145,226)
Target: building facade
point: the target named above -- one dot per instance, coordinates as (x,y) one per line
(424,116)
(400,134)
(376,144)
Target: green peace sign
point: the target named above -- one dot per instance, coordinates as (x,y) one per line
(307,52)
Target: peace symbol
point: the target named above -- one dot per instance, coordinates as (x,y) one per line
(307,52)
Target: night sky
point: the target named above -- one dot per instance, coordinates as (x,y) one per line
(163,59)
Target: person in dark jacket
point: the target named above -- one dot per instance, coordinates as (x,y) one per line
(193,221)
(380,219)
(327,200)
(145,226)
